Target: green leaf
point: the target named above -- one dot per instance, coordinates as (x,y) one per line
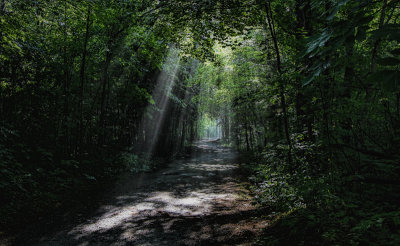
(151,101)
(89,177)
(319,40)
(336,9)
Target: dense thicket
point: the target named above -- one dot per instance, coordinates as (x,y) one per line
(309,89)
(313,95)
(76,84)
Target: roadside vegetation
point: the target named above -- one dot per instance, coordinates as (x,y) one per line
(307,91)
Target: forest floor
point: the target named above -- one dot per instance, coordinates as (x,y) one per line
(199,200)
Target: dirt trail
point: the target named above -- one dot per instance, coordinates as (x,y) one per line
(196,201)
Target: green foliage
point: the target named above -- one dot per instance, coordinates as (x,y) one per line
(310,89)
(75,81)
(135,163)
(337,71)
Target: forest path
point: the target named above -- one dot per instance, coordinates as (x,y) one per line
(194,201)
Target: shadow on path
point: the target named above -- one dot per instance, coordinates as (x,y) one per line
(195,201)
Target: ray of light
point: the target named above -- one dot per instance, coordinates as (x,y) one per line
(154,117)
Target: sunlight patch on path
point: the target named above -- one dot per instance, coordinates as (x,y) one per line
(192,200)
(210,167)
(195,203)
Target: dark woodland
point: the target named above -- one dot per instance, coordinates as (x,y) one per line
(199,122)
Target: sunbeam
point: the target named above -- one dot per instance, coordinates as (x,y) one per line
(154,117)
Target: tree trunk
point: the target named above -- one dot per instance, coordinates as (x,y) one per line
(377,42)
(81,82)
(104,94)
(271,27)
(65,125)
(247,137)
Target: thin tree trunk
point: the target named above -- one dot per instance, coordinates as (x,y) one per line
(281,86)
(81,80)
(247,138)
(2,7)
(65,87)
(377,42)
(252,141)
(2,10)
(183,135)
(104,95)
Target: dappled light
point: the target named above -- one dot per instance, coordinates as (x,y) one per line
(199,122)
(210,167)
(173,202)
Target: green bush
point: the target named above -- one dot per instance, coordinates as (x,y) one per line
(320,206)
(136,163)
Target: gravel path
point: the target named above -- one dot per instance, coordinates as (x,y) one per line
(195,201)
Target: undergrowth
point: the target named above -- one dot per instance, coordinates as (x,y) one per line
(316,206)
(35,181)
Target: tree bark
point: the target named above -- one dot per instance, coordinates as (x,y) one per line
(377,42)
(81,82)
(107,62)
(271,28)
(65,119)
(247,137)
